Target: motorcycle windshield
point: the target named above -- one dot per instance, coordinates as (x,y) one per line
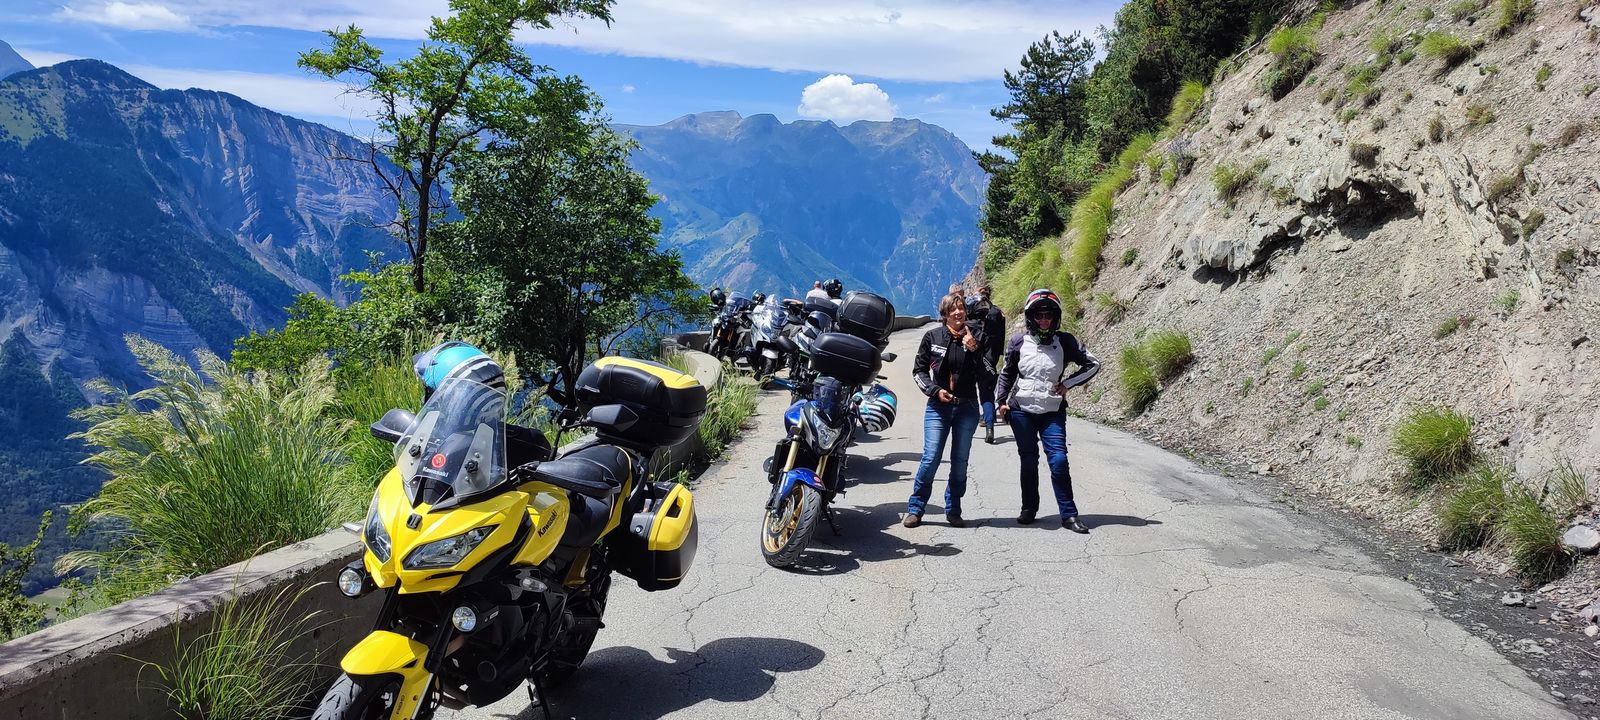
(457,446)
(769,319)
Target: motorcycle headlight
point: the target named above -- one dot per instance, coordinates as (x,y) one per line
(822,437)
(375,536)
(447,552)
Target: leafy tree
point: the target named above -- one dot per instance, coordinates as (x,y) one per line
(1047,91)
(557,242)
(469,83)
(18,615)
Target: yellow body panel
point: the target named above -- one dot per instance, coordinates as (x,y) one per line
(673,521)
(383,653)
(549,508)
(544,505)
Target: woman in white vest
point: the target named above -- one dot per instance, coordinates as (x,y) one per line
(1032,390)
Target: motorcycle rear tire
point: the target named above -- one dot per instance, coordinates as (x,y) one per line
(360,698)
(782,546)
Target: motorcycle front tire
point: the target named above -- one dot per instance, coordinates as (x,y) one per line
(568,658)
(786,533)
(361,698)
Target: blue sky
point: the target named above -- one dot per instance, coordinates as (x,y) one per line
(939,61)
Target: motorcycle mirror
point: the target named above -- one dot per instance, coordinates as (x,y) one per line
(889,357)
(393,425)
(881,377)
(612,417)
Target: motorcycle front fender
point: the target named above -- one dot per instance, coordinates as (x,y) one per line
(795,477)
(386,653)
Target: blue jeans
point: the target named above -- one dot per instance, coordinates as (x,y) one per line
(986,401)
(1050,430)
(940,422)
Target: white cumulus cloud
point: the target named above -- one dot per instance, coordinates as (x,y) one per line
(840,99)
(129,16)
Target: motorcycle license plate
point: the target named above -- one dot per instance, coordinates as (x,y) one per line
(770,353)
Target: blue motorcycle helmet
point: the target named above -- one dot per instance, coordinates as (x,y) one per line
(456,359)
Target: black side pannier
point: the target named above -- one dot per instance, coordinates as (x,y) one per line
(867,316)
(847,358)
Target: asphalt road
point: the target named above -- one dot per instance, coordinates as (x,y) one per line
(1192,598)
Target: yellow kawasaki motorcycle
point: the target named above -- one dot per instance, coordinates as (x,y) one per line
(495,563)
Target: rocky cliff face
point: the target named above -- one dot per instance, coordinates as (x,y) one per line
(755,204)
(189,217)
(1432,243)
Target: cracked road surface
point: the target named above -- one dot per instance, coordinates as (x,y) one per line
(1192,598)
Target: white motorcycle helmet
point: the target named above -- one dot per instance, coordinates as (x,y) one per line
(876,408)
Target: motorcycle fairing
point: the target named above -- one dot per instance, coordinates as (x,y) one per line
(385,653)
(798,475)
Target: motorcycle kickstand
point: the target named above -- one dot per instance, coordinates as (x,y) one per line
(827,514)
(537,697)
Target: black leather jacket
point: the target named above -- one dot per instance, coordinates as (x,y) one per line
(944,363)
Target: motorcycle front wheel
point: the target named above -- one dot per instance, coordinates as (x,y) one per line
(566,658)
(787,528)
(360,698)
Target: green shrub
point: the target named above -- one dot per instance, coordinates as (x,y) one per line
(1138,380)
(1406,56)
(1568,489)
(1364,153)
(1447,327)
(1589,88)
(730,403)
(244,666)
(1566,257)
(1471,511)
(1246,386)
(1230,180)
(1353,441)
(1379,123)
(1427,14)
(1169,352)
(1269,354)
(1091,215)
(1295,52)
(1315,388)
(1348,114)
(1184,105)
(1531,223)
(1512,14)
(1362,87)
(1044,266)
(1385,43)
(1533,536)
(1508,302)
(1569,134)
(1321,403)
(1299,370)
(19,615)
(1435,443)
(1464,9)
(1479,114)
(364,394)
(1115,308)
(1436,129)
(1447,48)
(1501,187)
(1542,75)
(1130,256)
(203,475)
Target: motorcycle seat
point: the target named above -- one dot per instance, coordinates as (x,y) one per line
(597,471)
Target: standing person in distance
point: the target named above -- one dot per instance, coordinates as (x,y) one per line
(1033,389)
(816,293)
(982,314)
(949,369)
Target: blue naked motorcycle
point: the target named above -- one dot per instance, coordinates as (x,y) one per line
(806,467)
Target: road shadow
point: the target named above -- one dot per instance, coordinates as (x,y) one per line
(875,469)
(627,682)
(1094,521)
(865,537)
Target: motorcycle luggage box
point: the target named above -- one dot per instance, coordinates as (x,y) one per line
(867,316)
(660,541)
(845,357)
(668,403)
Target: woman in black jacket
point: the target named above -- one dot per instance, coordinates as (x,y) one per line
(949,368)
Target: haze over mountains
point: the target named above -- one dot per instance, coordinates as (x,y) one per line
(756,204)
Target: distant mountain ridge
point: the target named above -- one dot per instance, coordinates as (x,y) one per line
(756,204)
(10,62)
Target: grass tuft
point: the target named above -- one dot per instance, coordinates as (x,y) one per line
(1533,536)
(1169,352)
(1115,308)
(1501,187)
(1364,153)
(1230,180)
(1130,256)
(1512,14)
(1295,53)
(1531,223)
(1479,114)
(1436,129)
(1138,380)
(730,403)
(1569,134)
(1447,48)
(1091,215)
(1470,512)
(1436,443)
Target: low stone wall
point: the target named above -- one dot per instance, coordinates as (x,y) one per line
(906,322)
(94,667)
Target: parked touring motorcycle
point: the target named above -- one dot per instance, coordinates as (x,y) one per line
(806,469)
(494,560)
(767,323)
(730,330)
